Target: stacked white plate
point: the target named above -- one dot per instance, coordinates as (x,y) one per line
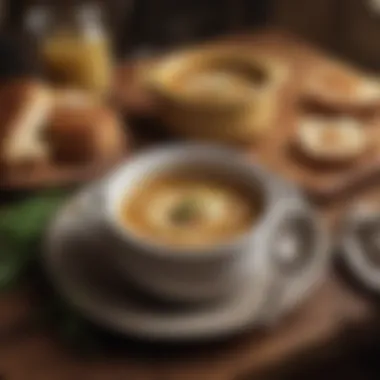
(77,259)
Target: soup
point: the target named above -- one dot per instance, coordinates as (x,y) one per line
(190,209)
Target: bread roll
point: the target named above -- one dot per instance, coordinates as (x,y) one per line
(24,109)
(340,140)
(82,133)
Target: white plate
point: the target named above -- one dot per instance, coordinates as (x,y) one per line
(77,260)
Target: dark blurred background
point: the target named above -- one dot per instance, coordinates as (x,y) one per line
(348,27)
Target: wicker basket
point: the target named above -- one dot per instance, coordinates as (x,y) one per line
(236,119)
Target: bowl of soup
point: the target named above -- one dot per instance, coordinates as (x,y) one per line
(192,221)
(217,94)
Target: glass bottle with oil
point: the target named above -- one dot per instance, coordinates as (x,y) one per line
(76,51)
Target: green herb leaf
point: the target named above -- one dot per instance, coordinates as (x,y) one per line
(187,210)
(21,228)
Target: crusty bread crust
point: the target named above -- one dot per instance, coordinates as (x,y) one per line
(80,132)
(25,108)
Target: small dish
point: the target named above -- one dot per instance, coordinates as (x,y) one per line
(360,244)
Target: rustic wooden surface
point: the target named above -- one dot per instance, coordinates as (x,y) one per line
(320,325)
(331,321)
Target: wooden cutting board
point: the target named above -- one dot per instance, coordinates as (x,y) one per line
(273,152)
(55,174)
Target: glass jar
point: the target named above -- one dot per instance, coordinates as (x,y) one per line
(74,46)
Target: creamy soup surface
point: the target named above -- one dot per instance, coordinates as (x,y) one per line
(190,210)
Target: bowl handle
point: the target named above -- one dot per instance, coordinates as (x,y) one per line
(286,289)
(291,209)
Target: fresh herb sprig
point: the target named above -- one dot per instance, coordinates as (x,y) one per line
(22,226)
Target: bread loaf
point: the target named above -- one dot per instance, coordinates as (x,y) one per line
(82,133)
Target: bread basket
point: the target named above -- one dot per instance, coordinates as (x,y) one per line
(231,115)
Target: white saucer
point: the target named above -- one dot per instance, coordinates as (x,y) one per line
(76,260)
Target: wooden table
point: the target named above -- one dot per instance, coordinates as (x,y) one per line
(332,321)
